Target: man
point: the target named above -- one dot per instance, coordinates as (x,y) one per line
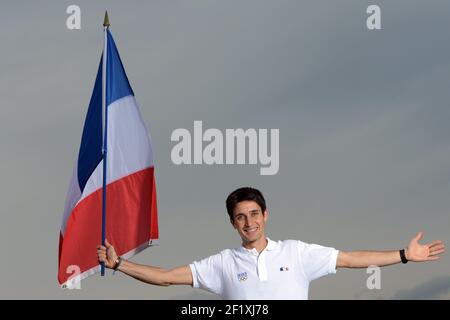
(262,268)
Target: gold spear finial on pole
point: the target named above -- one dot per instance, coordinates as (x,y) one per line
(106,20)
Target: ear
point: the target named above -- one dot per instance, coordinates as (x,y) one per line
(266,215)
(232,223)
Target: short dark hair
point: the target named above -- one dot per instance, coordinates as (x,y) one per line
(244,194)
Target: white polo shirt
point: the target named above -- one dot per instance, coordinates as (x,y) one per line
(283,270)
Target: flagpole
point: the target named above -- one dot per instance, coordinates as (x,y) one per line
(105,133)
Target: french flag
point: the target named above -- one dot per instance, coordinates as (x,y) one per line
(131,212)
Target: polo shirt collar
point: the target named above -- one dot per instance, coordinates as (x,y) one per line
(271,245)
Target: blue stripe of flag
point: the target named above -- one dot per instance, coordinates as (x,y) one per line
(91,142)
(117,87)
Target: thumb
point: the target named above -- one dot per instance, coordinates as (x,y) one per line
(107,244)
(418,236)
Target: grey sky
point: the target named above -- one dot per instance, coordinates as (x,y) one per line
(363,118)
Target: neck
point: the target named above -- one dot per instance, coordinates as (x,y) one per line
(259,244)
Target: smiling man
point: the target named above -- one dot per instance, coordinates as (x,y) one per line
(262,268)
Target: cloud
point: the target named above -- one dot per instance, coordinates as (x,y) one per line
(432,289)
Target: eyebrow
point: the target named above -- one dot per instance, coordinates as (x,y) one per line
(243,214)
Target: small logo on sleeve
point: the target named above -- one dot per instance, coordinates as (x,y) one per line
(284,268)
(242,276)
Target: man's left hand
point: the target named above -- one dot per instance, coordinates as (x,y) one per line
(424,252)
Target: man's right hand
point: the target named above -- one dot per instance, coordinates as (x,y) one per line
(107,254)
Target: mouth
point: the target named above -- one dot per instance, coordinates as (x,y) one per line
(251,230)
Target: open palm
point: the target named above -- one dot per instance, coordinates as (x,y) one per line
(424,252)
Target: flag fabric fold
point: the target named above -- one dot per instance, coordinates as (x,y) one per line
(131,210)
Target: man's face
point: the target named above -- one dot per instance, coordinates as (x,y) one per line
(249,221)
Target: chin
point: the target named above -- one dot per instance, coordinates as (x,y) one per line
(250,240)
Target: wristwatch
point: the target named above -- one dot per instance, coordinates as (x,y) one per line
(403,256)
(117,262)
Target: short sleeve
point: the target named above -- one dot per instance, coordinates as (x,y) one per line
(207,274)
(317,261)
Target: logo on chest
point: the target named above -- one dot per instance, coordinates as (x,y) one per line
(242,276)
(284,268)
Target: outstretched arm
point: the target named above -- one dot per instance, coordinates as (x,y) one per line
(414,252)
(152,275)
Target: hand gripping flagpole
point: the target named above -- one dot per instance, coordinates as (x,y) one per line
(105,133)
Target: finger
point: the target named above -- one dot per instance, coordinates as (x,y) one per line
(418,236)
(436,252)
(433,258)
(434,243)
(437,247)
(107,244)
